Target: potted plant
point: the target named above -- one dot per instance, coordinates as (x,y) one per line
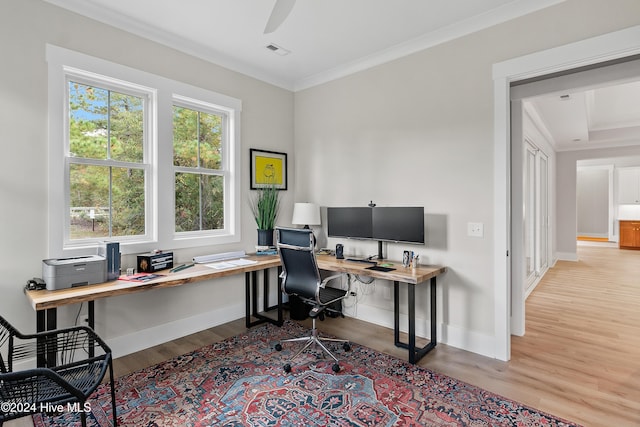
(265,206)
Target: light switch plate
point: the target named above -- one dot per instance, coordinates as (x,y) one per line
(475,229)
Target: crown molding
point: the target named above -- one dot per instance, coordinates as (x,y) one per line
(493,17)
(488,19)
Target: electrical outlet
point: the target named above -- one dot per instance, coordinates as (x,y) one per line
(83,320)
(475,229)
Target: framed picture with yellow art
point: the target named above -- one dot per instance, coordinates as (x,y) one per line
(268,167)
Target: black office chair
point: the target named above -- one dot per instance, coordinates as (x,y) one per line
(74,362)
(301,277)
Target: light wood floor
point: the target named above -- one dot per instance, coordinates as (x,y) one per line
(579,359)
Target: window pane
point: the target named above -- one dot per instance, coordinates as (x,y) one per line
(97,114)
(210,141)
(196,138)
(127,202)
(126,127)
(100,202)
(88,121)
(199,202)
(185,137)
(89,201)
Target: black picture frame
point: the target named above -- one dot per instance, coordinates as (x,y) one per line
(268,167)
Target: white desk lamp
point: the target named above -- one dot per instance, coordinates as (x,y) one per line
(306,214)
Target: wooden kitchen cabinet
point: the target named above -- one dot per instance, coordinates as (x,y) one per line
(629,235)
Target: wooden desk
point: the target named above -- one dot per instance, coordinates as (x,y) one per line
(45,302)
(411,277)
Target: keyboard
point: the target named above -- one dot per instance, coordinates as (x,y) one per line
(379,268)
(365,261)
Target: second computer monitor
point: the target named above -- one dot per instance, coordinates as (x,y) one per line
(394,224)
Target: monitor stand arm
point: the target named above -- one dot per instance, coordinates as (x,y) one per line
(380,250)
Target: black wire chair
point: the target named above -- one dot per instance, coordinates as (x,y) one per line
(71,363)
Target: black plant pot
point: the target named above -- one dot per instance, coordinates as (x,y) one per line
(265,237)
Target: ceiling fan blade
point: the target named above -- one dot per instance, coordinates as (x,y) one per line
(280,11)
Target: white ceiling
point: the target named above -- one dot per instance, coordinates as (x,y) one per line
(329,39)
(595,118)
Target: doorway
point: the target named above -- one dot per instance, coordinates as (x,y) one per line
(595,204)
(613,46)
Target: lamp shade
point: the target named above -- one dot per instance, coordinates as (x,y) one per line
(306,214)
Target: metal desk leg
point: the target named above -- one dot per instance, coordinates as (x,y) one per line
(46,320)
(251,301)
(412,323)
(432,294)
(415,354)
(92,324)
(41,321)
(265,285)
(266,305)
(41,326)
(52,319)
(279,292)
(91,315)
(396,314)
(247,295)
(254,290)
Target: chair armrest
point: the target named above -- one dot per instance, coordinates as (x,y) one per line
(53,332)
(28,384)
(64,332)
(332,277)
(65,343)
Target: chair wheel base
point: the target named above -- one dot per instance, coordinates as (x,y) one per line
(335,368)
(346,346)
(287,368)
(278,347)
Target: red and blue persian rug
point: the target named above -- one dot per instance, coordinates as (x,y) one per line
(241,382)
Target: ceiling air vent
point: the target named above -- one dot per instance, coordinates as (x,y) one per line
(278,49)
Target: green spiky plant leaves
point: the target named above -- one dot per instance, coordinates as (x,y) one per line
(265,206)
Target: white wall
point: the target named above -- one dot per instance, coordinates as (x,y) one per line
(419,130)
(134,321)
(592,200)
(567,162)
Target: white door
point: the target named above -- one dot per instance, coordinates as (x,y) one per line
(536,215)
(544,213)
(530,210)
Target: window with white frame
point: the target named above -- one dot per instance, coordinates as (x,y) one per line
(106,161)
(138,158)
(200,165)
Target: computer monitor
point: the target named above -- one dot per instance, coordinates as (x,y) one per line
(391,224)
(398,224)
(353,223)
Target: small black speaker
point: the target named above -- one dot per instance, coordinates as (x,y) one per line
(339,251)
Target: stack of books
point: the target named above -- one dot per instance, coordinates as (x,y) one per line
(266,250)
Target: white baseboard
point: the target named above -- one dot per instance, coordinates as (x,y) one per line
(145,338)
(449,335)
(567,256)
(474,342)
(598,235)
